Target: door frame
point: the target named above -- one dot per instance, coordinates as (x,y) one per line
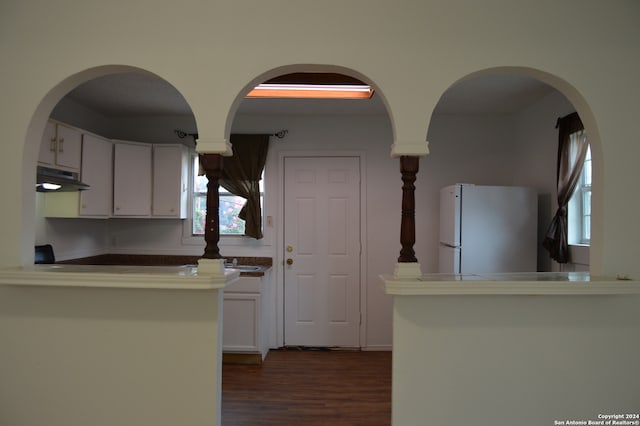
(279,257)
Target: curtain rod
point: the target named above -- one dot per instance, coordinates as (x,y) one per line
(280,134)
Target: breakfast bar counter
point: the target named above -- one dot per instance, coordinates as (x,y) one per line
(182,277)
(540,283)
(112,344)
(526,349)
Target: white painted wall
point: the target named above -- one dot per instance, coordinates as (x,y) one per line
(497,360)
(105,356)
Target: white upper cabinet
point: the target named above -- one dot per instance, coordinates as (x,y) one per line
(132,179)
(97,172)
(126,179)
(170,181)
(61,147)
(150,180)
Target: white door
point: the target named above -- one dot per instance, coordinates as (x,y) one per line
(322,251)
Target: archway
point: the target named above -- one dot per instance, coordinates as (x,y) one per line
(317,69)
(316,129)
(513,111)
(100,102)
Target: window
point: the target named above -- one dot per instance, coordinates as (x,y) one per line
(230,206)
(579,209)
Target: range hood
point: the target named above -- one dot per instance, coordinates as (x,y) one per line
(54,180)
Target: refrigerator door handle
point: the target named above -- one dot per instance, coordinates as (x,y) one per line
(450,245)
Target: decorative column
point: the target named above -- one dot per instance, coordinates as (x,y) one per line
(212,165)
(211,261)
(408,265)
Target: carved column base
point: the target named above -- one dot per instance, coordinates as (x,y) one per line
(407,270)
(213,267)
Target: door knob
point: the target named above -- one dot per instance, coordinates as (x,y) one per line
(289,249)
(289,261)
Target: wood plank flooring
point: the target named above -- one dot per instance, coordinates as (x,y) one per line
(310,388)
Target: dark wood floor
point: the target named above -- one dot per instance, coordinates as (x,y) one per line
(309,388)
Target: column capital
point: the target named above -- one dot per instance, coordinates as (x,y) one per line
(214,146)
(417,149)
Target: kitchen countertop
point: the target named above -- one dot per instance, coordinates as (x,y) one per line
(263,263)
(541,283)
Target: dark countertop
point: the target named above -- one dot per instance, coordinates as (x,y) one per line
(168,260)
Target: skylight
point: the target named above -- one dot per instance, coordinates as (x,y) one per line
(313,86)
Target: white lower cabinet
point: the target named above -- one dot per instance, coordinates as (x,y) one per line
(244,326)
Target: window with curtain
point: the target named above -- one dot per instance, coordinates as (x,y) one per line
(230,206)
(241,189)
(572,153)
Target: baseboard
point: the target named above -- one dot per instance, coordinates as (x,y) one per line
(386,348)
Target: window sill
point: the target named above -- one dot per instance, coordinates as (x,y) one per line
(579,254)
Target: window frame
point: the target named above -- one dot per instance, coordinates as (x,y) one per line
(579,207)
(195,194)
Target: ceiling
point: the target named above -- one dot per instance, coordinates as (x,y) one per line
(133,94)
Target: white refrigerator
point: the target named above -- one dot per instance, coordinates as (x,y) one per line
(488,229)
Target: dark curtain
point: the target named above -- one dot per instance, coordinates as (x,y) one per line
(241,174)
(572,150)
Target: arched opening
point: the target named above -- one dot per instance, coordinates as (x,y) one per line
(311,73)
(317,128)
(352,138)
(100,108)
(497,127)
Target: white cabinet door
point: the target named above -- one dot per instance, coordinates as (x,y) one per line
(245,324)
(241,322)
(69,151)
(48,146)
(61,147)
(97,172)
(131,179)
(170,181)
